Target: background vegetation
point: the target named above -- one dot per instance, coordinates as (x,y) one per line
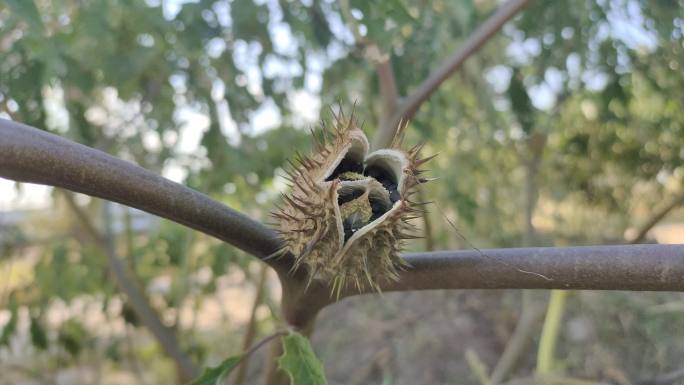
(567,128)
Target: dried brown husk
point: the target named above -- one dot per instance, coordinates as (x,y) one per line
(310,219)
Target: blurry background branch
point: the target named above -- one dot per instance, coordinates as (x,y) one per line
(658,216)
(129,286)
(417,97)
(250,333)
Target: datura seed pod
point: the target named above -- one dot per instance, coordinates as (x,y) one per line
(349,211)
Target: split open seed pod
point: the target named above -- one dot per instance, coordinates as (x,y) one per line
(349,211)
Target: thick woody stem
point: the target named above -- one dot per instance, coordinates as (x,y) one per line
(31,155)
(623,267)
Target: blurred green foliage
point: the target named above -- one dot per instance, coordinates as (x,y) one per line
(594,87)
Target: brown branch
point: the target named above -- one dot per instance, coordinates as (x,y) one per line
(520,339)
(383,68)
(387,83)
(128,285)
(389,95)
(411,104)
(657,217)
(264,341)
(251,325)
(390,98)
(30,155)
(623,267)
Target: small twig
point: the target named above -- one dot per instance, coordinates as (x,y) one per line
(272,374)
(383,68)
(657,217)
(428,232)
(263,342)
(387,82)
(520,339)
(388,93)
(183,288)
(251,325)
(477,366)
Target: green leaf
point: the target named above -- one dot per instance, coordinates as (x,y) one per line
(26,10)
(217,374)
(300,362)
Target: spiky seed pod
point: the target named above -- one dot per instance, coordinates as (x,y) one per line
(349,211)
